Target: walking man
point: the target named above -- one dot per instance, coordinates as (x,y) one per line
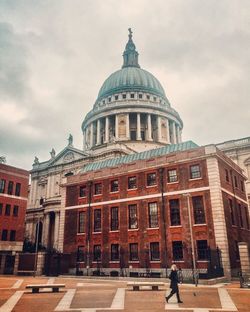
(174,284)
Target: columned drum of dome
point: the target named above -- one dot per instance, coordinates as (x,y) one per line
(131,113)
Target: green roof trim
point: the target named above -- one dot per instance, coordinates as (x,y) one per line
(139,156)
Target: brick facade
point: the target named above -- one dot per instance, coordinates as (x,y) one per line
(160,194)
(13,204)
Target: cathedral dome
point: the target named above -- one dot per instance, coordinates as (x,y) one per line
(131,78)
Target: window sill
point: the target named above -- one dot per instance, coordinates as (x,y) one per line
(175,226)
(80,233)
(178,261)
(114,261)
(203,261)
(155,261)
(190,179)
(131,230)
(153,228)
(114,192)
(134,261)
(199,224)
(114,231)
(150,186)
(132,189)
(97,195)
(176,182)
(97,232)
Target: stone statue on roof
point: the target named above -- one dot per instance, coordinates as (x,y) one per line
(70,139)
(53,153)
(36,160)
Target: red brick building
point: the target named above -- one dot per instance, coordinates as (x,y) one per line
(179,203)
(13,204)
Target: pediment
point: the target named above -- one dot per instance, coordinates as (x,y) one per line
(67,155)
(247,161)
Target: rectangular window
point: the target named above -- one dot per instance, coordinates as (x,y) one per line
(18,189)
(114,219)
(133,252)
(177,250)
(81,222)
(2,185)
(10,187)
(153,215)
(151,179)
(154,251)
(116,97)
(98,189)
(115,252)
(114,186)
(15,211)
(202,250)
(148,97)
(195,172)
(7,210)
(97,220)
(240,216)
(4,235)
(12,235)
(97,253)
(231,211)
(82,192)
(237,252)
(132,183)
(247,218)
(132,95)
(242,186)
(1,209)
(80,254)
(132,211)
(174,207)
(124,96)
(172,176)
(140,96)
(235,181)
(227,175)
(198,210)
(109,99)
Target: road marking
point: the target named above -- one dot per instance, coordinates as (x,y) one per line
(226,301)
(17,284)
(119,299)
(11,302)
(65,302)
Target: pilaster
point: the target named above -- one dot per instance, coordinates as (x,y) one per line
(138,127)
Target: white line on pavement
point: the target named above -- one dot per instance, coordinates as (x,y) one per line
(17,284)
(11,302)
(118,301)
(226,301)
(65,302)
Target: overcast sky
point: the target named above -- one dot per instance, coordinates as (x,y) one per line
(55,55)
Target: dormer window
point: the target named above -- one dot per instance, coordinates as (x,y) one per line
(155,98)
(148,97)
(109,99)
(132,95)
(124,96)
(116,97)
(140,96)
(103,102)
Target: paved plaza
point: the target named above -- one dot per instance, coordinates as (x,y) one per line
(91,295)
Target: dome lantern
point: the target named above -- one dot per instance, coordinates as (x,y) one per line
(130,55)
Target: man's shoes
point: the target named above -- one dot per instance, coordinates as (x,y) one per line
(180,301)
(167,299)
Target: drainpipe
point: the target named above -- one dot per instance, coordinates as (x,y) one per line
(163,211)
(90,183)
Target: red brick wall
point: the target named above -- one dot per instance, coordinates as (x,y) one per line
(11,222)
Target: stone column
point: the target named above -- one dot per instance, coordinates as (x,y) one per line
(138,127)
(244,257)
(168,131)
(116,127)
(98,133)
(56,229)
(91,134)
(84,140)
(174,132)
(159,137)
(45,230)
(127,127)
(16,264)
(149,133)
(107,129)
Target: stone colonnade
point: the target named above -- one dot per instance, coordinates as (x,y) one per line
(120,127)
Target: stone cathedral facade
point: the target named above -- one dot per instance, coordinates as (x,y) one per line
(131,116)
